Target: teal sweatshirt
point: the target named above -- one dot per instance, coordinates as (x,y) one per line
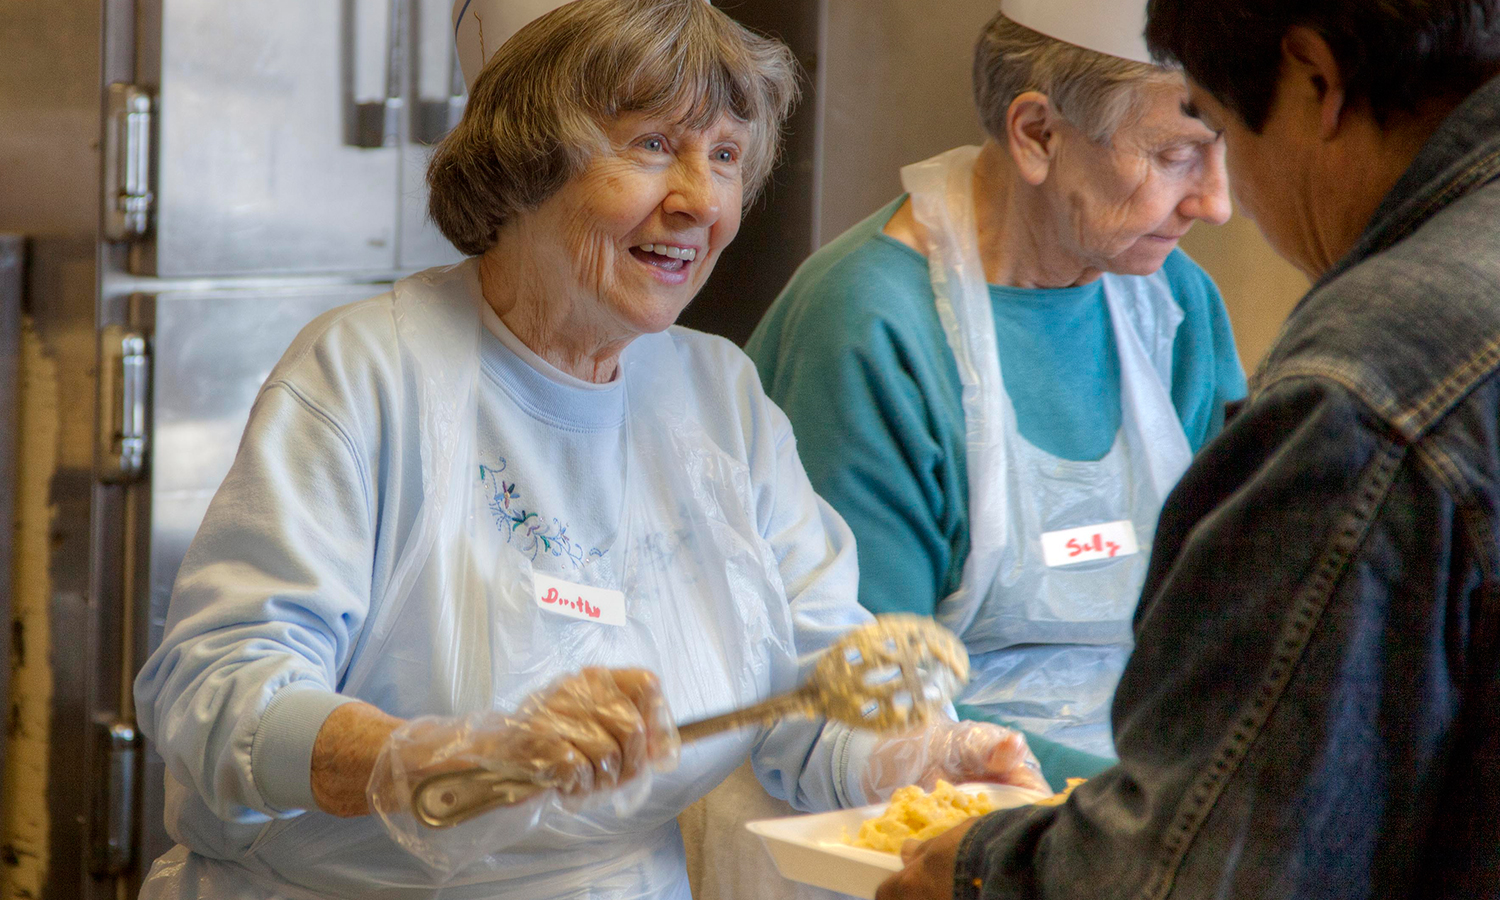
(854,352)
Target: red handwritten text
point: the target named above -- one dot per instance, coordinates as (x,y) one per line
(1096,544)
(577,605)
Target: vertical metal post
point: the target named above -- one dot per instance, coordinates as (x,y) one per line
(12,257)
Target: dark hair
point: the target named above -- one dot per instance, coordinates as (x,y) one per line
(1393,54)
(536,112)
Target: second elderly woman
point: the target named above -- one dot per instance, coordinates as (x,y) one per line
(506,517)
(997,378)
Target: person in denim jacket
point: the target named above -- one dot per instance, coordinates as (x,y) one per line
(1313,707)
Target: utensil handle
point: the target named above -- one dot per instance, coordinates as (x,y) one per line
(452,798)
(767,711)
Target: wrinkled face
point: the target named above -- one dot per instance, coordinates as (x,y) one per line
(1122,208)
(635,236)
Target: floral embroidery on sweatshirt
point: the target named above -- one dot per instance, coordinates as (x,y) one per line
(530,532)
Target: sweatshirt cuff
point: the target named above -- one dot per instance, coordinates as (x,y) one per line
(281,752)
(851,757)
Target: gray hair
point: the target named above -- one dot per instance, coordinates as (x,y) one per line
(536,112)
(1095,92)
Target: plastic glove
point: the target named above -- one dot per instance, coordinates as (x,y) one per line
(589,739)
(956,752)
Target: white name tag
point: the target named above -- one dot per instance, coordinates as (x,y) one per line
(1090,543)
(578,601)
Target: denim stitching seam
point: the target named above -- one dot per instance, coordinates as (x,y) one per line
(1449,390)
(1290,645)
(1475,525)
(1346,377)
(1482,535)
(1482,170)
(965,887)
(1441,466)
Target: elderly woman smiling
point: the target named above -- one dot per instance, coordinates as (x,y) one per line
(506,517)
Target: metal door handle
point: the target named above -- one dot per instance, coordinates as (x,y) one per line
(374,123)
(431,120)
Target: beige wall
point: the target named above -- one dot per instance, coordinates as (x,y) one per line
(896,85)
(1259,287)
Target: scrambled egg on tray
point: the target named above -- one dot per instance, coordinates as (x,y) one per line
(915,814)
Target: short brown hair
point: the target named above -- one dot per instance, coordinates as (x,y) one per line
(535,113)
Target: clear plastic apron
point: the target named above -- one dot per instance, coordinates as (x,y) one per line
(460,629)
(1050,585)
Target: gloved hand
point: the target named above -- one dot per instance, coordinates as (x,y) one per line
(590,738)
(954,751)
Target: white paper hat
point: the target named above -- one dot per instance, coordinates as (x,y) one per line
(1115,27)
(481,26)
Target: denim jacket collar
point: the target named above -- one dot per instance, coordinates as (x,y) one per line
(1394,321)
(1462,154)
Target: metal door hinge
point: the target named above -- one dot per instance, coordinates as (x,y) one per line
(112,838)
(127,163)
(124,386)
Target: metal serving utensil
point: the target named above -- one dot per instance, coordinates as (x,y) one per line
(886,676)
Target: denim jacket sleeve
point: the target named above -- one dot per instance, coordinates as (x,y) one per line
(1303,645)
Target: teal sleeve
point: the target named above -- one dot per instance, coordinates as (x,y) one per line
(1059,762)
(852,384)
(1207,374)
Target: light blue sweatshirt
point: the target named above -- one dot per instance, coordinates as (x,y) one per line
(272,602)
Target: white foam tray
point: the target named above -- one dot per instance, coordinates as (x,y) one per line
(810,848)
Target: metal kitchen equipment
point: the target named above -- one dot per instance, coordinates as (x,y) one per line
(198,180)
(886,676)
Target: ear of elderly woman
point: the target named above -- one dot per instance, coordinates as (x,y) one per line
(503,516)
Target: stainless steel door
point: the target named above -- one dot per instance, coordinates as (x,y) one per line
(260,107)
(211,351)
(436,98)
